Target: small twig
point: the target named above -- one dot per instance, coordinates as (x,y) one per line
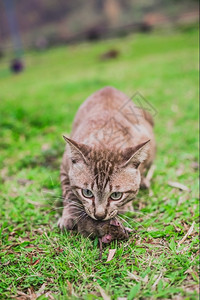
(178,185)
(187,234)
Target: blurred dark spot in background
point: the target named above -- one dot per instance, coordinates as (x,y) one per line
(16,65)
(113,53)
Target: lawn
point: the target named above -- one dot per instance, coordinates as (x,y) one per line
(36,108)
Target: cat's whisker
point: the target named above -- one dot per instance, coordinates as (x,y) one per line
(76,203)
(49,194)
(55,196)
(77,219)
(124,220)
(146,216)
(140,213)
(56,208)
(133,221)
(129,217)
(76,210)
(82,216)
(76,206)
(76,214)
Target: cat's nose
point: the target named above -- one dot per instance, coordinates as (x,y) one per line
(100,215)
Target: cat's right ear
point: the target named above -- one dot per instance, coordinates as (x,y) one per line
(77,151)
(135,155)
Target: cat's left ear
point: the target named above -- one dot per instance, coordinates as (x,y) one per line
(135,155)
(77,151)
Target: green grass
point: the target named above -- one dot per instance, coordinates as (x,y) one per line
(36,108)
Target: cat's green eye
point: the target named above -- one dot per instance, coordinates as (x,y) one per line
(87,193)
(116,195)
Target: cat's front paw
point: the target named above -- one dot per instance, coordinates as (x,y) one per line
(66,223)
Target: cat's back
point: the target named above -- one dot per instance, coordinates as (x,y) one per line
(109,108)
(100,107)
(107,99)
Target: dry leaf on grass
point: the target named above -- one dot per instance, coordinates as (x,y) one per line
(111,254)
(178,185)
(137,278)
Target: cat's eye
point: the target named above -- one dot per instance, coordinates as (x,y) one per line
(116,195)
(87,193)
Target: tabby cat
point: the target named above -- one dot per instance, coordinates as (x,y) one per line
(111,147)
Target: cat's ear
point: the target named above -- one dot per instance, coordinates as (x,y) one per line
(77,151)
(135,155)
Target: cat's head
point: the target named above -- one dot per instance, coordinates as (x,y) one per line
(103,180)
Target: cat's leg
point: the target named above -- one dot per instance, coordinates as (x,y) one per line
(74,216)
(70,212)
(66,221)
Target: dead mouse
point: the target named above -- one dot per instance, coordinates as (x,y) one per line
(107,231)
